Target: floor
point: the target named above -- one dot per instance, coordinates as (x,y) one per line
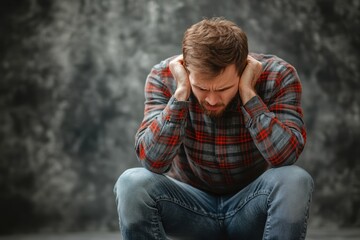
(313,234)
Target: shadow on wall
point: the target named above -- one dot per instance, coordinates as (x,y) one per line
(72,98)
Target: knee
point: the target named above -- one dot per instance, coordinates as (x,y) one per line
(293,185)
(291,177)
(133,191)
(298,179)
(131,181)
(292,190)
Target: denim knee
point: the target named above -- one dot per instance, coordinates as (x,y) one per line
(289,177)
(297,178)
(288,202)
(292,191)
(132,191)
(132,182)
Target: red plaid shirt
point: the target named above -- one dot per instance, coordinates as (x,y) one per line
(222,155)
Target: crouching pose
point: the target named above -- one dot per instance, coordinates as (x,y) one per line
(222,129)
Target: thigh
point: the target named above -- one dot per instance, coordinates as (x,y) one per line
(188,213)
(274,196)
(181,210)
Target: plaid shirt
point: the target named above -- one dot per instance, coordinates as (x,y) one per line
(222,155)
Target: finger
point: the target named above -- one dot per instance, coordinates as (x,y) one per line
(179,59)
(252,60)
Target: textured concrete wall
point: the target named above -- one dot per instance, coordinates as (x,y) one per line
(71,98)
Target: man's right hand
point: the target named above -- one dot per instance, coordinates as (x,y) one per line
(181,76)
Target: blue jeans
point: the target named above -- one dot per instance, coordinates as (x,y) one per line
(154,206)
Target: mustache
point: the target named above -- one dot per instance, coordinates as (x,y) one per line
(208,105)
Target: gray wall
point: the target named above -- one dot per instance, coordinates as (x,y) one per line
(71,98)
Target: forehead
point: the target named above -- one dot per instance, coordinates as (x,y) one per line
(227,76)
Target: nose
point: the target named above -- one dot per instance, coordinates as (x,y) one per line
(212,99)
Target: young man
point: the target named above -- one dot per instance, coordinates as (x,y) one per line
(222,129)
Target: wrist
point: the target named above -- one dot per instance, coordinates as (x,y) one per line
(246,94)
(182,94)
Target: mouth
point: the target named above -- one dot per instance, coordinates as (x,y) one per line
(213,108)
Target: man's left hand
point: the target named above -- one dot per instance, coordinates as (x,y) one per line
(249,78)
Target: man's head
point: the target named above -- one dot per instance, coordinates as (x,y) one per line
(213,44)
(215,55)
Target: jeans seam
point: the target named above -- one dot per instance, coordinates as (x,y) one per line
(185,206)
(155,226)
(307,211)
(246,201)
(268,220)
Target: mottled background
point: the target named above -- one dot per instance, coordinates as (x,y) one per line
(71,98)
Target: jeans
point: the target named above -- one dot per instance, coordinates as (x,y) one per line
(154,206)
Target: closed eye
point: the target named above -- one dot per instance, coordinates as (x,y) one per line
(217,90)
(223,89)
(201,89)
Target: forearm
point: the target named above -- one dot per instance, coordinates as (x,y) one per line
(279,141)
(158,139)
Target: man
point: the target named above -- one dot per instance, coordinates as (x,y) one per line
(221,131)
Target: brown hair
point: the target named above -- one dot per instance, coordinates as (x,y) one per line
(213,44)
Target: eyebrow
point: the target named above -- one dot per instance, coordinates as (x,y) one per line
(216,90)
(224,88)
(197,86)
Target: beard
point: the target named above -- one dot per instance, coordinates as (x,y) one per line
(213,113)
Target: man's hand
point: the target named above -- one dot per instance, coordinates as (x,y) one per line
(249,78)
(181,76)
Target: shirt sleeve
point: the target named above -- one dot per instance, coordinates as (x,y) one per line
(277,128)
(161,132)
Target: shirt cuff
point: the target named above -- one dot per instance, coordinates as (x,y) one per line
(253,108)
(176,111)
